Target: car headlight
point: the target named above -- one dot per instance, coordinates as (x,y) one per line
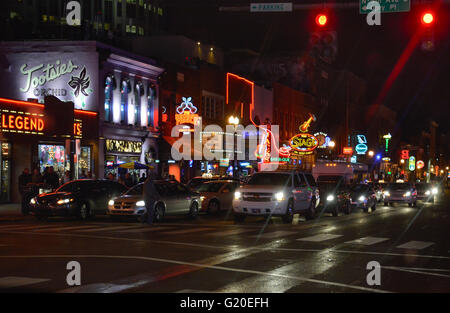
(279,196)
(427,192)
(237,195)
(434,191)
(330,198)
(63,201)
(408,194)
(111,202)
(386,193)
(33,201)
(140,203)
(362,198)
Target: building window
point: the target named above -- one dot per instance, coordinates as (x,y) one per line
(150,105)
(131,8)
(108,11)
(137,103)
(212,107)
(119,8)
(109,86)
(124,102)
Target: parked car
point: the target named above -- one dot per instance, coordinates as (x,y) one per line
(218,195)
(363,197)
(426,192)
(173,198)
(82,198)
(334,194)
(400,192)
(277,194)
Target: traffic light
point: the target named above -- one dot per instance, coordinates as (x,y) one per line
(427,19)
(323,40)
(321,19)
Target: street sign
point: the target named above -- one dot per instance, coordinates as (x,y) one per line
(387,6)
(271,7)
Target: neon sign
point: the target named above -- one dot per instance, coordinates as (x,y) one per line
(19,122)
(420,164)
(387,138)
(405,154)
(77,128)
(186,112)
(304,143)
(347,150)
(412,163)
(324,140)
(361,147)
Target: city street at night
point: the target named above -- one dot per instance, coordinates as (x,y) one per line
(214,254)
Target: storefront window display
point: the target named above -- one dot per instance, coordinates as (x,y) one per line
(84,162)
(53,155)
(5,171)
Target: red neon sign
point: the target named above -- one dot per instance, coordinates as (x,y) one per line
(405,154)
(77,129)
(22,122)
(348,150)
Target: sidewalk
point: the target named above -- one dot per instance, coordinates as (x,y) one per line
(10,209)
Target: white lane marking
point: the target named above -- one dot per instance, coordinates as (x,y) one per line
(367,241)
(275,234)
(186,231)
(231,232)
(110,228)
(192,291)
(416,245)
(13,281)
(20,227)
(188,244)
(203,266)
(319,237)
(35,227)
(144,229)
(400,269)
(65,228)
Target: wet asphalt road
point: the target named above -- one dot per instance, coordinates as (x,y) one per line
(214,254)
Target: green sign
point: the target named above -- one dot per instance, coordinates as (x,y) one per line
(387,6)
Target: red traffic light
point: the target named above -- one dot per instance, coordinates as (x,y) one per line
(321,19)
(427,18)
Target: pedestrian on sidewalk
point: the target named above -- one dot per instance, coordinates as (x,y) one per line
(24,180)
(150,197)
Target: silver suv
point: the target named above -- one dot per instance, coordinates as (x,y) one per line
(277,194)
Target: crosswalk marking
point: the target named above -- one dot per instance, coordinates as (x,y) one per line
(192,291)
(144,229)
(232,232)
(416,245)
(275,234)
(319,237)
(108,228)
(57,229)
(367,241)
(14,281)
(186,231)
(33,227)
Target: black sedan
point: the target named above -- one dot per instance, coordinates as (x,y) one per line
(334,195)
(363,197)
(81,198)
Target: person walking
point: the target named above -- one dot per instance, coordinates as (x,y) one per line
(128,180)
(143,178)
(36,178)
(66,177)
(51,178)
(150,197)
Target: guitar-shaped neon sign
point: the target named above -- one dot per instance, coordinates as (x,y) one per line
(305,126)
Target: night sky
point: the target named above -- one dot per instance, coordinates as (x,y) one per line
(419,93)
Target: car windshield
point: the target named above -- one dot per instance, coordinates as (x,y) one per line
(136,190)
(359,188)
(398,187)
(267,179)
(329,179)
(210,187)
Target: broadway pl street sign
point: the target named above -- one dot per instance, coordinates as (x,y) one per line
(387,6)
(270,7)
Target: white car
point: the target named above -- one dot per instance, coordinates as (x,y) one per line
(277,194)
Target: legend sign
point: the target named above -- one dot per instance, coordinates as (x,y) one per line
(22,122)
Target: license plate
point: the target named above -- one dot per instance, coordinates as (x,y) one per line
(256,211)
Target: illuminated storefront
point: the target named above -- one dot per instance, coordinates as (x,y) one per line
(35,135)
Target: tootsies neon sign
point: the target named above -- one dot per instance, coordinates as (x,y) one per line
(22,123)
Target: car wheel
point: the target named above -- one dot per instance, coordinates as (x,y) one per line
(311,212)
(289,215)
(213,207)
(159,213)
(193,211)
(239,217)
(84,212)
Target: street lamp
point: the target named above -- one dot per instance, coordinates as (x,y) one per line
(234,120)
(331,144)
(402,161)
(371,153)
